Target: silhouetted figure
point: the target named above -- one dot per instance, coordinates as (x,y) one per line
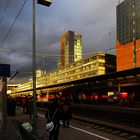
(66,113)
(30,107)
(53,114)
(24,105)
(11,106)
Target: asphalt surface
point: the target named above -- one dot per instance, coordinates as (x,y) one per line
(74,132)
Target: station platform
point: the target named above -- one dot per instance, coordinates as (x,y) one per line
(65,133)
(41,122)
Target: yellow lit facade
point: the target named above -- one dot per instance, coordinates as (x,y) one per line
(71,48)
(96,64)
(71,66)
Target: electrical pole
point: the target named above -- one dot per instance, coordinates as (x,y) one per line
(34,68)
(134,36)
(45,3)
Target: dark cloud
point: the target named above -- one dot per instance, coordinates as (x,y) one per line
(93,19)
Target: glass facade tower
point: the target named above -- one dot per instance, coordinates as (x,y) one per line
(128,35)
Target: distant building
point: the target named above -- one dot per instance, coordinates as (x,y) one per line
(71,66)
(71,48)
(96,64)
(11,88)
(40,72)
(128,35)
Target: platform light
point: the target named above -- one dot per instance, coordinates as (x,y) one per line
(45,2)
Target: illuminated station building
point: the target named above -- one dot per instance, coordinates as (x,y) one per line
(71,67)
(128,35)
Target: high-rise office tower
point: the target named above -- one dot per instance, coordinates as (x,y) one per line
(71,48)
(128,35)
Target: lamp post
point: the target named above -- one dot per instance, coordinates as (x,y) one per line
(46,3)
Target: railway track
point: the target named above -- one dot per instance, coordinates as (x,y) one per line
(102,127)
(109,130)
(124,120)
(125,116)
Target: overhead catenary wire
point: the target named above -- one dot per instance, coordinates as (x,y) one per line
(53,55)
(38,53)
(5,38)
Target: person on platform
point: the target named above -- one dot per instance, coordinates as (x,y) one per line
(66,112)
(30,107)
(11,106)
(24,103)
(53,114)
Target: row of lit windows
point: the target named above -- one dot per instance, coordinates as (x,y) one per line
(75,77)
(77,37)
(77,43)
(86,61)
(81,68)
(84,69)
(71,72)
(56,78)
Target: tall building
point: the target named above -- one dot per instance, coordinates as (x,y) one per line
(128,35)
(71,48)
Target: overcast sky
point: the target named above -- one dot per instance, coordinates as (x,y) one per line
(95,20)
